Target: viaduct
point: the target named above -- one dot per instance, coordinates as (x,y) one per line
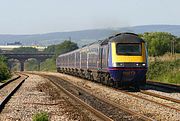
(22,57)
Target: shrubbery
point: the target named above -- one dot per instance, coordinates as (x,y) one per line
(48,65)
(64,47)
(165,71)
(4,72)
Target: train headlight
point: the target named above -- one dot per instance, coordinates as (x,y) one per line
(114,64)
(121,65)
(143,64)
(118,64)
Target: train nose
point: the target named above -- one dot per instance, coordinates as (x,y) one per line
(128,75)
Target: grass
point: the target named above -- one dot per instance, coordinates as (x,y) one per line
(4,81)
(165,57)
(42,116)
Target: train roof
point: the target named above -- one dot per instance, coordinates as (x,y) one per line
(120,37)
(126,38)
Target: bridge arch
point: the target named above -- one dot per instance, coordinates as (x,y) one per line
(22,57)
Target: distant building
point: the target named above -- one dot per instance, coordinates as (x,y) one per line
(15,43)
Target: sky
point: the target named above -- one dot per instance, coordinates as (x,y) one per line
(45,16)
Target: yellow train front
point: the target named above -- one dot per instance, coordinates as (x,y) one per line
(127,62)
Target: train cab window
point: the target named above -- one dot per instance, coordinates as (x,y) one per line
(128,49)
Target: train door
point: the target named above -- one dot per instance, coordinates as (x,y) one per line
(100,58)
(104,57)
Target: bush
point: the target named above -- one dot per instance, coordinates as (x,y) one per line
(42,116)
(4,72)
(165,71)
(48,65)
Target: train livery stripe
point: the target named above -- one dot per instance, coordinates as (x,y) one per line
(127,68)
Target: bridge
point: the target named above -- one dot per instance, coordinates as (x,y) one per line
(22,57)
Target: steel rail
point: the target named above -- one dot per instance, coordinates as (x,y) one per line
(143,117)
(93,110)
(9,81)
(172,87)
(160,96)
(140,97)
(169,86)
(8,97)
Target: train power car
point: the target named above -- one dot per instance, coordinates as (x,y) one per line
(119,60)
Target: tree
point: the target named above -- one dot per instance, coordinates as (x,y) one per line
(177,45)
(158,42)
(4,72)
(50,49)
(65,47)
(25,50)
(61,48)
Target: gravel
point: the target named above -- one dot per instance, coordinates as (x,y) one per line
(115,113)
(144,107)
(159,100)
(8,88)
(175,95)
(39,95)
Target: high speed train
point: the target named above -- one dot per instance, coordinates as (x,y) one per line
(120,60)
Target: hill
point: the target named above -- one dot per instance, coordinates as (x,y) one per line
(84,36)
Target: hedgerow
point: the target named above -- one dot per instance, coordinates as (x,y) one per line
(164,71)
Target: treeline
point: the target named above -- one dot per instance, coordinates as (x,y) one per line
(64,47)
(4,71)
(159,43)
(165,68)
(61,48)
(25,50)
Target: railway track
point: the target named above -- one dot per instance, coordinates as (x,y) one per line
(9,88)
(140,96)
(103,108)
(164,86)
(88,107)
(173,102)
(161,96)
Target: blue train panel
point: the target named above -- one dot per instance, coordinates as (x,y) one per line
(128,75)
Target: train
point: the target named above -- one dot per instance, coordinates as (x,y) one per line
(119,61)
